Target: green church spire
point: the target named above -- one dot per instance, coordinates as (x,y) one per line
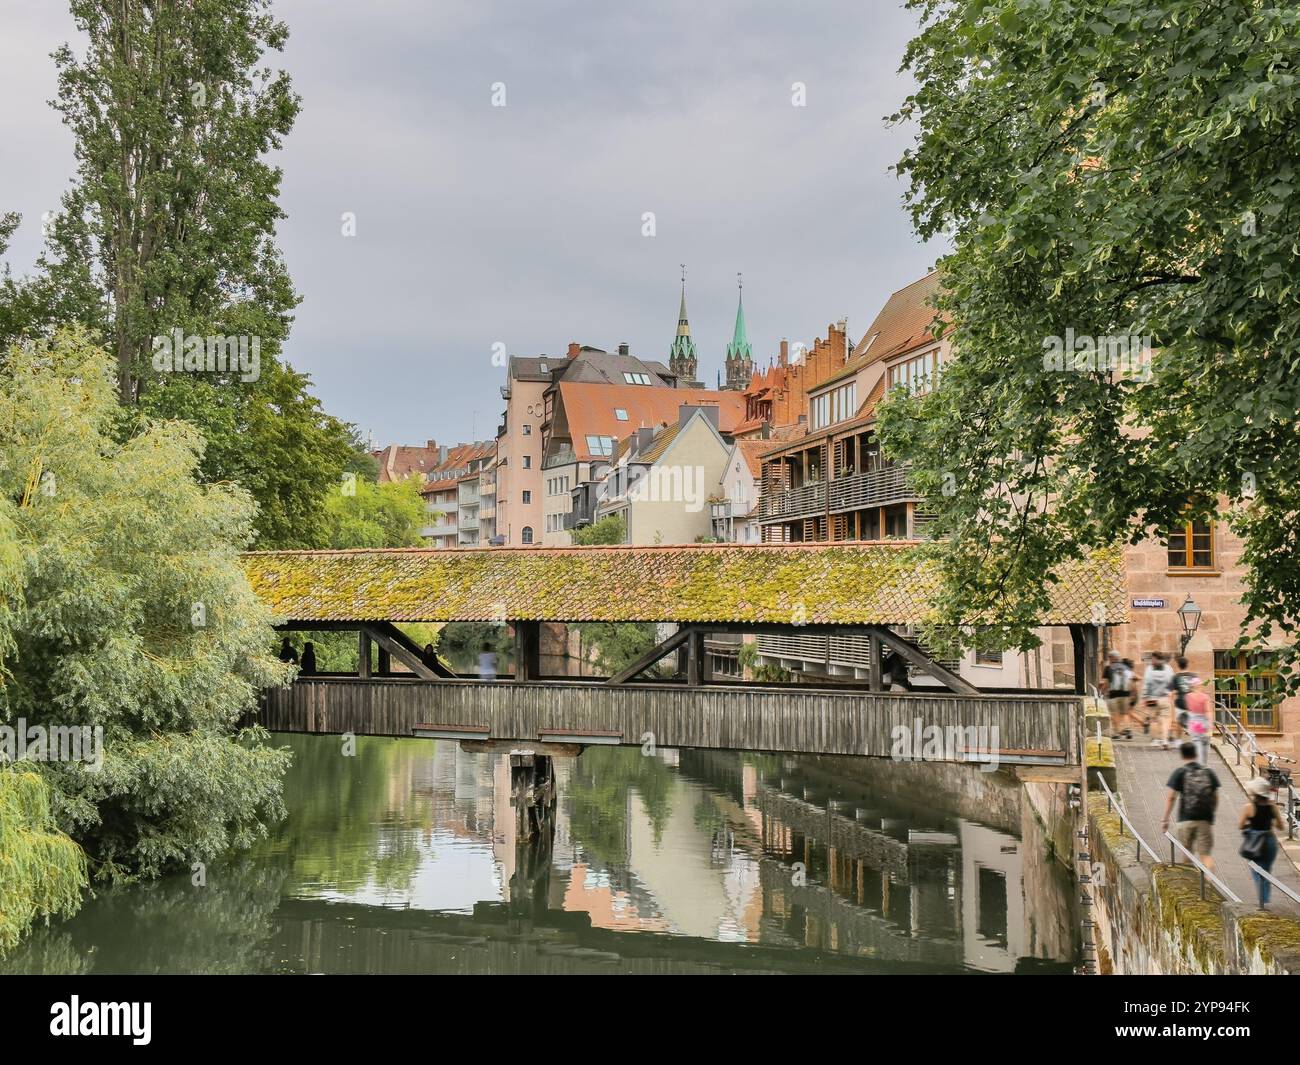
(740,359)
(739,348)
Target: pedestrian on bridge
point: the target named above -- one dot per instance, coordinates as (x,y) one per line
(1258,844)
(1197,790)
(1156,684)
(1117,681)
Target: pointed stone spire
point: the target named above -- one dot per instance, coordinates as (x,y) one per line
(682,359)
(740,357)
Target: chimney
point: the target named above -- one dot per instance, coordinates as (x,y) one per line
(622,348)
(785,352)
(574,348)
(685,411)
(442,454)
(641,439)
(432,445)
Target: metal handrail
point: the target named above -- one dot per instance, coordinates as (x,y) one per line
(1112,801)
(1292,816)
(1274,881)
(1222,888)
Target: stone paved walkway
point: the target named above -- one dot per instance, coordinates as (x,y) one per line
(1141,772)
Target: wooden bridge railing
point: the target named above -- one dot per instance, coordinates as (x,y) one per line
(1038,729)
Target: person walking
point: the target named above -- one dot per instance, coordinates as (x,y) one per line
(1199,718)
(1116,681)
(1156,682)
(1184,680)
(487,663)
(308,658)
(1196,789)
(287,652)
(1258,818)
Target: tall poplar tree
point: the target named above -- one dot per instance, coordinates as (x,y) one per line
(169,229)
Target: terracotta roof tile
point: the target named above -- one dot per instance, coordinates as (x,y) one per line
(589,409)
(864,584)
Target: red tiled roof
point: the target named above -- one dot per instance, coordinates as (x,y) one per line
(398,461)
(589,409)
(904,322)
(753,450)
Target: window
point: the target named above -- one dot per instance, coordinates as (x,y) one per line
(1192,546)
(986,653)
(918,374)
(528,496)
(528,462)
(1245,695)
(528,429)
(620,414)
(835,406)
(636,378)
(600,445)
(527,535)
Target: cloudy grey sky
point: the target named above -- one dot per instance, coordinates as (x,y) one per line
(522,224)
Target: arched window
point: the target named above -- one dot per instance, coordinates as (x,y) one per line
(527,534)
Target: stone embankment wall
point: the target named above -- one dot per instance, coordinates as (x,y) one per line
(1151,918)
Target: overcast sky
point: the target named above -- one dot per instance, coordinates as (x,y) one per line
(522,224)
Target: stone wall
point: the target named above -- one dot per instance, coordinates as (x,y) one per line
(1151,918)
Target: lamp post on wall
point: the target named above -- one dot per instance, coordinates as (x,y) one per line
(1190,615)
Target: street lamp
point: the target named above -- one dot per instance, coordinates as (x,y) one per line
(1190,615)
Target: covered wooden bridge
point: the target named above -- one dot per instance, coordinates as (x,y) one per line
(854,589)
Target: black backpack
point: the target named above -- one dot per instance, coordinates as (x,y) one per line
(1198,793)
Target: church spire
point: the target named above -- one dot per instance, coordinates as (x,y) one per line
(740,358)
(682,359)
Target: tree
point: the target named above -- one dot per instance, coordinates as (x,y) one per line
(611,529)
(1115,178)
(360,513)
(168,235)
(128,611)
(42,871)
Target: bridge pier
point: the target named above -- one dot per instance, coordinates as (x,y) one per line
(532,788)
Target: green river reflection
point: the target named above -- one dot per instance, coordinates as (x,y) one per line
(403,859)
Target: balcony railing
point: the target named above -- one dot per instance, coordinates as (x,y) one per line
(800,502)
(875,488)
(857,491)
(446,529)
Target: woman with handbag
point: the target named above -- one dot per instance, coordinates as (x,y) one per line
(1258,844)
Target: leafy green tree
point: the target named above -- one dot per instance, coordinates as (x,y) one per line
(611,529)
(42,871)
(128,611)
(169,230)
(1126,172)
(361,513)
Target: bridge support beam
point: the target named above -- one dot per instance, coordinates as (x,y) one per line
(919,658)
(697,670)
(363,654)
(676,640)
(528,641)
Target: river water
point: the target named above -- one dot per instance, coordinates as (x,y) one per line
(403,858)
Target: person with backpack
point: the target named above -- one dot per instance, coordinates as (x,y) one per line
(1184,680)
(1156,682)
(1197,790)
(1116,681)
(1258,844)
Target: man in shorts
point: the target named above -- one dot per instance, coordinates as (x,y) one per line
(1117,681)
(1197,790)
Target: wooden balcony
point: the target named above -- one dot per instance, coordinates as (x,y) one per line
(857,491)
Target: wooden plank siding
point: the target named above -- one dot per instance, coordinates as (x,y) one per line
(1032,729)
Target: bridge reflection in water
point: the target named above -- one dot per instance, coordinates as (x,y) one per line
(406,858)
